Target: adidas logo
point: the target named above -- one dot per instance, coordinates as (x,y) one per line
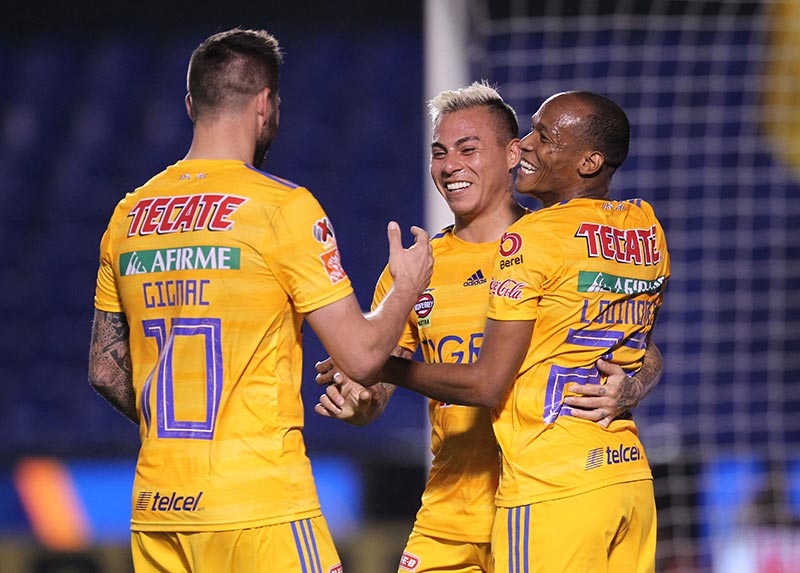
(477,278)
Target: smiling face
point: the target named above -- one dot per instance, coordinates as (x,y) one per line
(554,155)
(472,159)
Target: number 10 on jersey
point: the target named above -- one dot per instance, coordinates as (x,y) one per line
(187,392)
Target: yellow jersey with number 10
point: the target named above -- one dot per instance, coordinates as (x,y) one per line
(591,274)
(214,264)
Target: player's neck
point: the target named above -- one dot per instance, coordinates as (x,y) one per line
(596,190)
(221,140)
(490,225)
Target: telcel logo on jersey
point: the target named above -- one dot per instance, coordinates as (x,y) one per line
(621,455)
(168,502)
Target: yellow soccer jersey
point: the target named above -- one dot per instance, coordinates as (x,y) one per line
(591,274)
(448,320)
(214,264)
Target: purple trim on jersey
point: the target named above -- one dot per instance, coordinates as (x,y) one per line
(275,178)
(509,529)
(313,549)
(635,201)
(299,547)
(597,338)
(443,232)
(637,340)
(145,400)
(518,556)
(516,539)
(527,534)
(306,552)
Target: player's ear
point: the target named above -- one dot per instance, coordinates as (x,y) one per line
(188,102)
(263,105)
(591,164)
(513,153)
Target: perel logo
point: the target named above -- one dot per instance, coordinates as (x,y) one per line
(424,305)
(510,244)
(165,215)
(507,288)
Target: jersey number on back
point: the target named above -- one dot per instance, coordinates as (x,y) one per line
(187,398)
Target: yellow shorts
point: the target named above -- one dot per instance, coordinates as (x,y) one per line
(303,546)
(425,554)
(608,530)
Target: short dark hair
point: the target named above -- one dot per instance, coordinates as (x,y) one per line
(607,128)
(230,67)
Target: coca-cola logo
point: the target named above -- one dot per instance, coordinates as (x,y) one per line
(508,288)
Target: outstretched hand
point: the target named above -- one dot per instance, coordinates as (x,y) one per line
(603,403)
(412,267)
(345,399)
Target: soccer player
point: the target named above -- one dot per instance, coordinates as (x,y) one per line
(207,273)
(474,152)
(579,280)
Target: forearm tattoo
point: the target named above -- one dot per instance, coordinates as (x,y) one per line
(640,385)
(110,368)
(630,392)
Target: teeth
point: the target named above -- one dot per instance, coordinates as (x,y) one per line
(458,185)
(526,167)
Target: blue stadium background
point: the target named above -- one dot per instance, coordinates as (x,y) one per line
(91,105)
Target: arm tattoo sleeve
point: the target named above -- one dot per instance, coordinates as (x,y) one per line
(110,371)
(634,389)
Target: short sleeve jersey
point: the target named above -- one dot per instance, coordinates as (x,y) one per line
(447,321)
(214,264)
(591,274)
